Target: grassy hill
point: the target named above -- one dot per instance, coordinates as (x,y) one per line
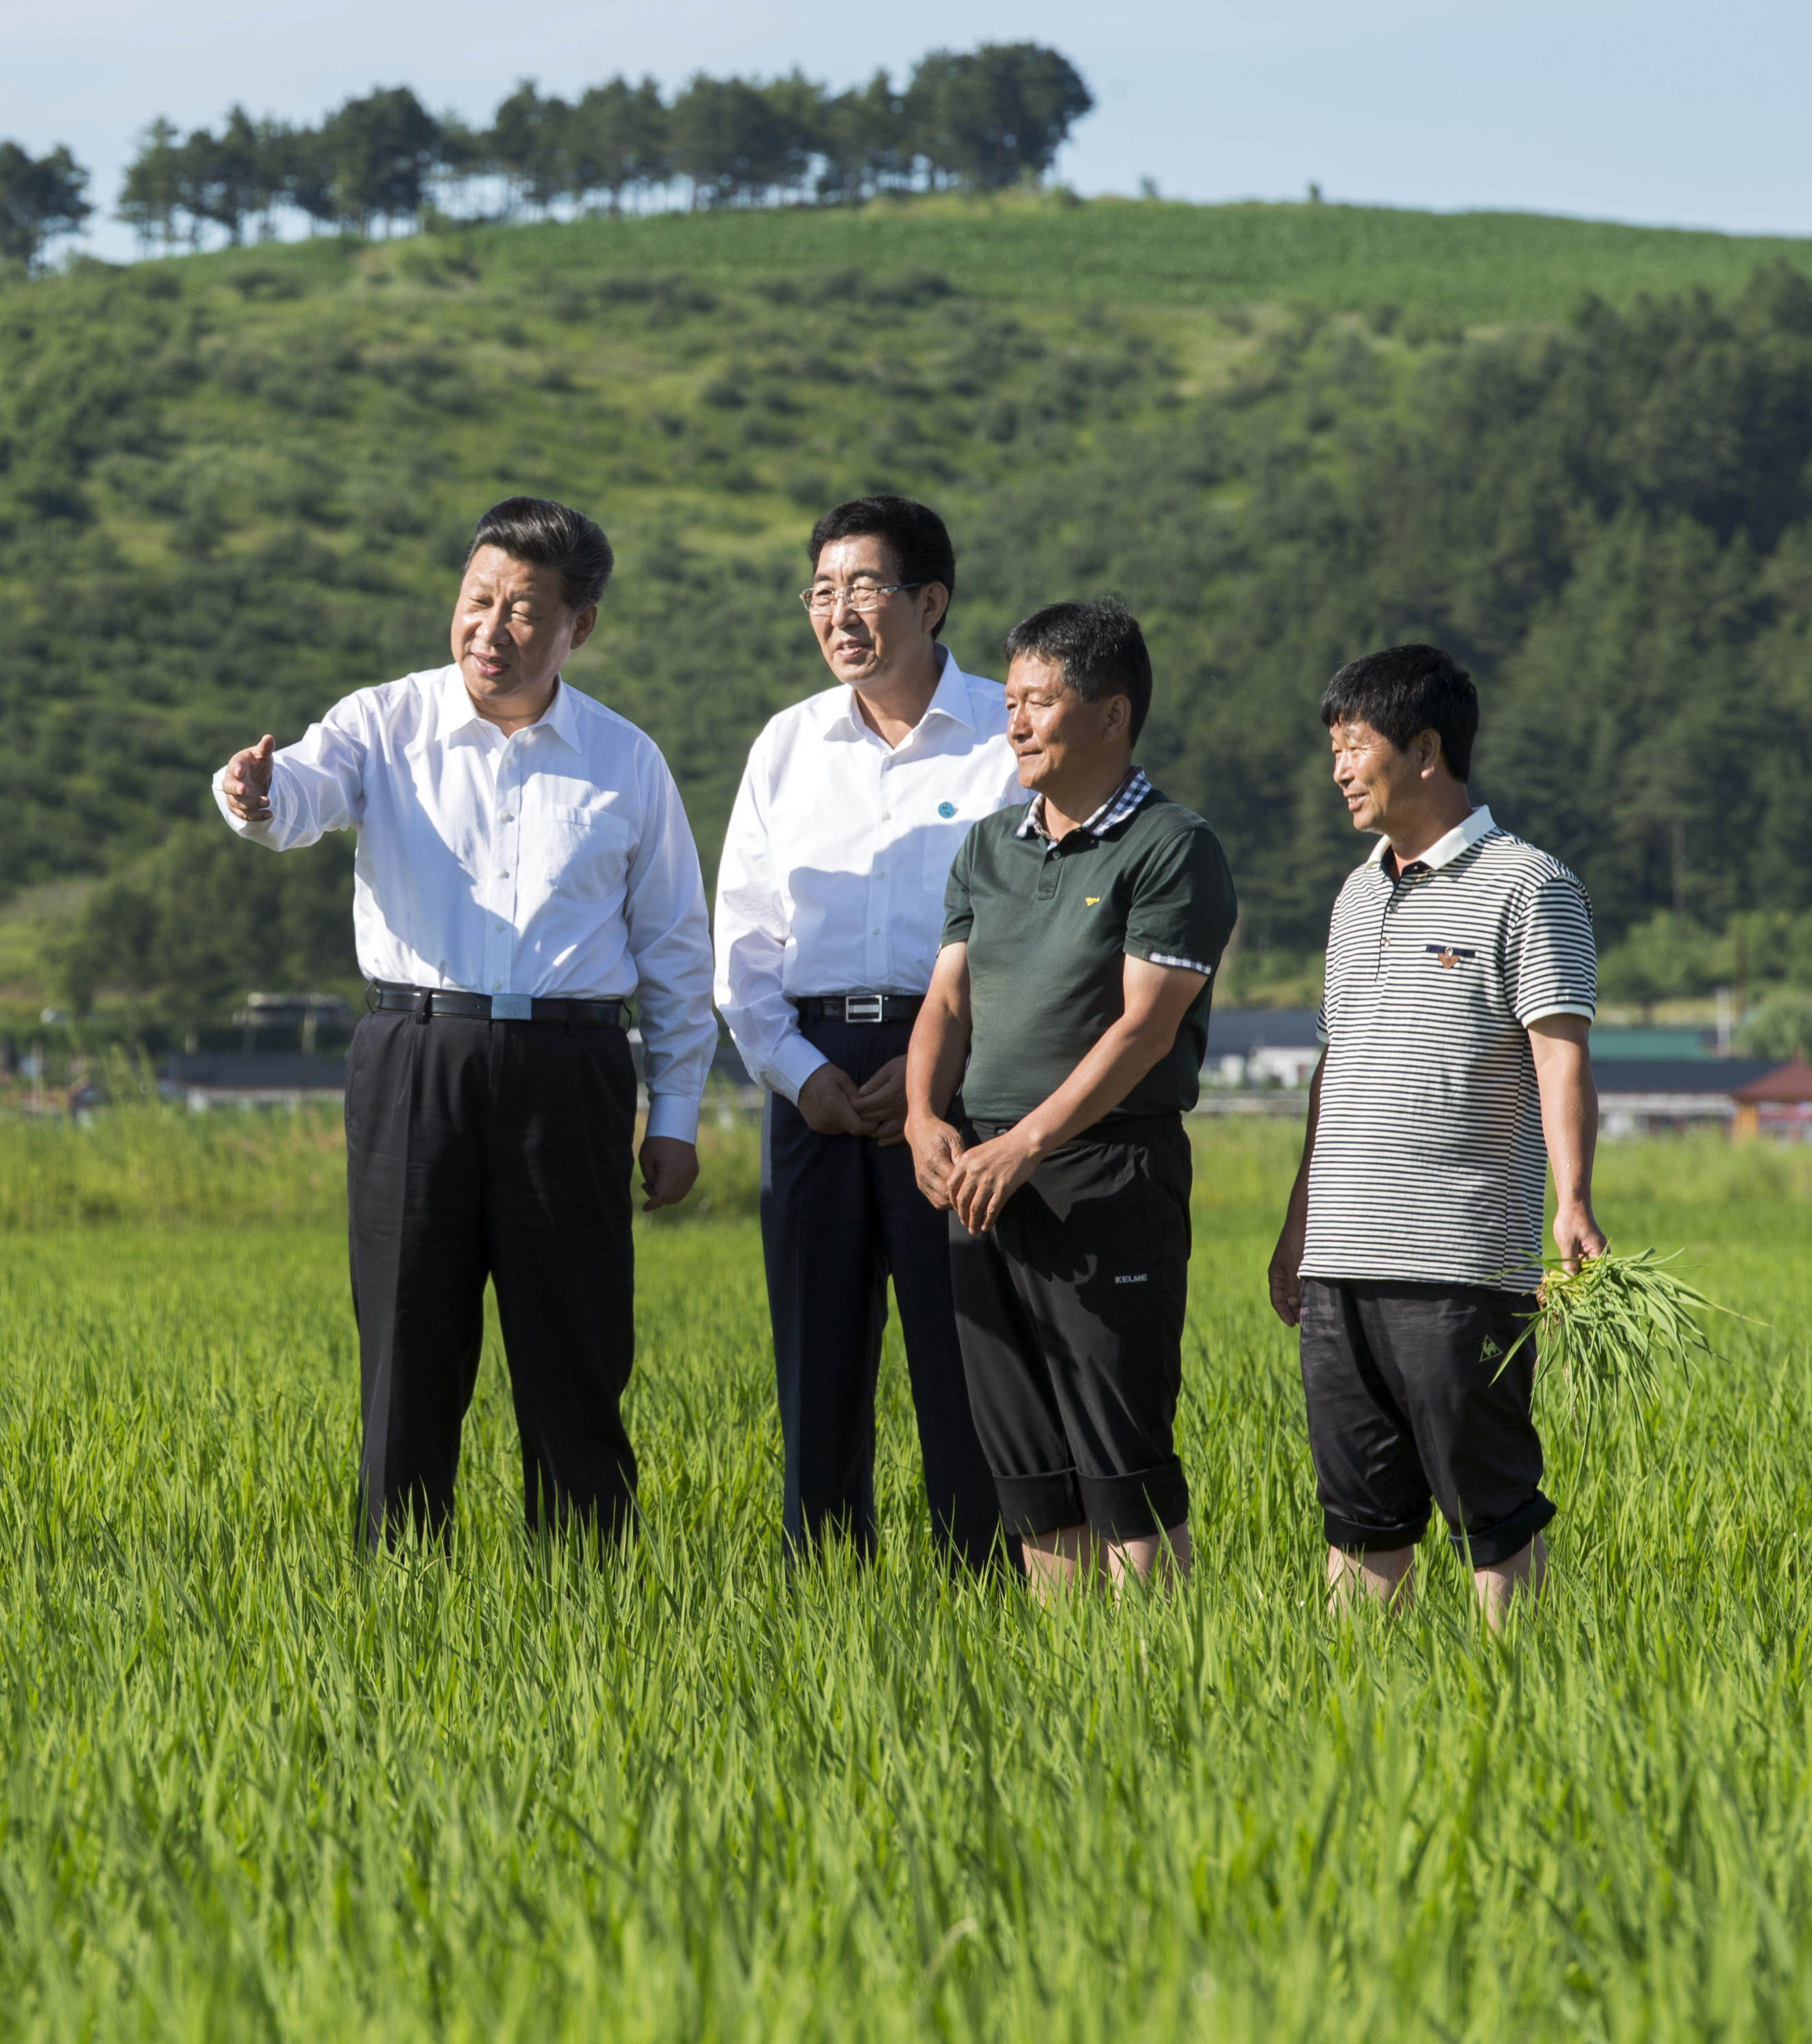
(1468,269)
(233,487)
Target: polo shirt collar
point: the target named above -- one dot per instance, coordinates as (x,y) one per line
(1115,811)
(949,699)
(1445,849)
(458,712)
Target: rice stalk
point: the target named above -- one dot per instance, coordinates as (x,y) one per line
(1610,1330)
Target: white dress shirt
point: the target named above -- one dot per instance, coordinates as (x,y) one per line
(555,861)
(832,875)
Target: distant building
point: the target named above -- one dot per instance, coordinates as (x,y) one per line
(253,1078)
(1646,1095)
(1254,1047)
(1778,1104)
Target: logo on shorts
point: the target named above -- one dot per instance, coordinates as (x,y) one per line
(947,809)
(1089,900)
(1490,1351)
(1143,1277)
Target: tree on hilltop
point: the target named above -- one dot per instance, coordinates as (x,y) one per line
(40,199)
(382,148)
(862,142)
(619,141)
(151,196)
(529,142)
(995,118)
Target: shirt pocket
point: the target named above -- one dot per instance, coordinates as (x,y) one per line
(1458,986)
(588,853)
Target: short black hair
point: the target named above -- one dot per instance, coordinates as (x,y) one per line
(914,535)
(1099,646)
(549,536)
(1405,689)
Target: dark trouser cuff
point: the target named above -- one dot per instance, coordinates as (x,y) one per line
(1040,1504)
(1134,1508)
(1485,1548)
(1350,1537)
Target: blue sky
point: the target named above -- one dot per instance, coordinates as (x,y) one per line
(1660,113)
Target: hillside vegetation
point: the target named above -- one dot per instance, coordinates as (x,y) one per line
(235,486)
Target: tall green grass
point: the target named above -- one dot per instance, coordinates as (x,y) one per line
(254,1786)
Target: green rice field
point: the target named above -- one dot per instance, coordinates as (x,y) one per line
(255,1786)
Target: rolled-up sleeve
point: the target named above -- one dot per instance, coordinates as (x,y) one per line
(317,784)
(670,939)
(752,940)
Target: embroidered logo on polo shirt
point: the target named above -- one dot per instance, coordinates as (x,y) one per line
(947,809)
(1448,956)
(1089,900)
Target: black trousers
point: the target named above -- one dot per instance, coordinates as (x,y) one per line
(838,1212)
(499,1150)
(1410,1400)
(1070,1312)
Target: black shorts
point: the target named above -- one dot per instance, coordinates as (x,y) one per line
(1070,1313)
(1406,1405)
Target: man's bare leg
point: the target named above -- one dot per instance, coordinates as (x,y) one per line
(1159,1557)
(1387,1574)
(1067,1559)
(1497,1584)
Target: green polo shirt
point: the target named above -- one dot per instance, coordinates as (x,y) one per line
(1048,929)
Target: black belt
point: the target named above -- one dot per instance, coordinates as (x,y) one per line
(860,1007)
(422,1002)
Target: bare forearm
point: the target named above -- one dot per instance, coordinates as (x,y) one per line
(1121,1057)
(1569,1127)
(934,1059)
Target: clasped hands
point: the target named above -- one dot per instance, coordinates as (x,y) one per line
(833,1104)
(975,1185)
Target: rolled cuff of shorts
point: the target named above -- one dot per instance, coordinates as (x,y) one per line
(1039,1503)
(1134,1508)
(1350,1537)
(1486,1549)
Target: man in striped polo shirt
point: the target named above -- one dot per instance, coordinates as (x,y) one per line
(1461,983)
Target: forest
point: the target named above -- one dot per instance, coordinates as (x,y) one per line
(979,120)
(234,485)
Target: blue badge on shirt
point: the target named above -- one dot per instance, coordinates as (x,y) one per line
(947,808)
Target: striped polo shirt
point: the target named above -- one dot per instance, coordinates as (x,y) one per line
(1429,1163)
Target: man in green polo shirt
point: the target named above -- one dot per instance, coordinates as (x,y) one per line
(1069,1004)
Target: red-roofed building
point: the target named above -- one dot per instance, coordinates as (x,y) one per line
(1779,1103)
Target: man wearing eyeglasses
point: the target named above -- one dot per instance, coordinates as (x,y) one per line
(830,905)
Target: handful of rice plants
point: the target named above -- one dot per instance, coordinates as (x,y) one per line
(1611,1327)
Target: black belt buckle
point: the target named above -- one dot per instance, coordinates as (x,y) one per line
(864,1007)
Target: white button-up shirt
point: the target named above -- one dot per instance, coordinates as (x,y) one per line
(555,861)
(832,875)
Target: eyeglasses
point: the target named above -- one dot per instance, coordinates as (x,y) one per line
(861,595)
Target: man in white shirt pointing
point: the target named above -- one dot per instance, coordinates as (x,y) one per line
(523,867)
(830,905)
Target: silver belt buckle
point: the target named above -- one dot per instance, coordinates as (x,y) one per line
(862,1007)
(512,1007)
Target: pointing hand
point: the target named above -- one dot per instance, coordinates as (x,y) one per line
(247,782)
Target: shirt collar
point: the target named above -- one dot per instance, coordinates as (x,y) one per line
(949,699)
(459,713)
(1445,850)
(1115,811)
